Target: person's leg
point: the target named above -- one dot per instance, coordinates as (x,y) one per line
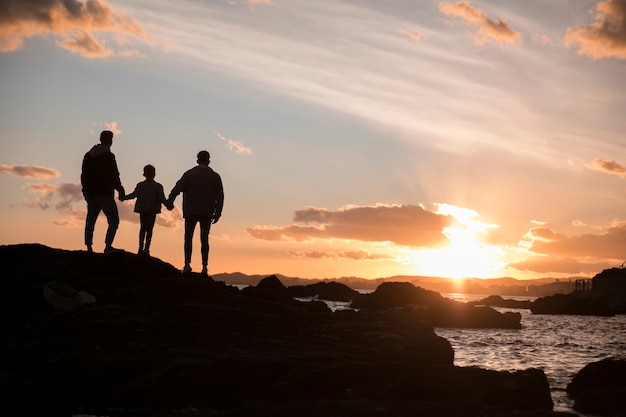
(142,231)
(110,211)
(190,225)
(205,228)
(149,219)
(93,210)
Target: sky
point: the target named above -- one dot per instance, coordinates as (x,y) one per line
(354,138)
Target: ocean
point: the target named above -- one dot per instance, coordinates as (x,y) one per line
(560,345)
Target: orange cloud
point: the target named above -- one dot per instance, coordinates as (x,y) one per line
(68,200)
(608,167)
(29,171)
(358,255)
(604,38)
(609,244)
(550,264)
(73,21)
(498,30)
(406,225)
(234,145)
(412,34)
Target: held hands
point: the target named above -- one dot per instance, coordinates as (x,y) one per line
(169,204)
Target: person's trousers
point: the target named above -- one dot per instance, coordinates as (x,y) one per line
(96,204)
(205,228)
(146,225)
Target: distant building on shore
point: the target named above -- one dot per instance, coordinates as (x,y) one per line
(609,286)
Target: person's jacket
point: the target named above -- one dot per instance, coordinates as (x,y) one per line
(100,175)
(149,195)
(203,193)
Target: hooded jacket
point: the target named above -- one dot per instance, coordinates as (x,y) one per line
(100,175)
(203,193)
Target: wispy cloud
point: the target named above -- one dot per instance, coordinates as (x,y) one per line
(497,30)
(400,224)
(234,145)
(553,264)
(358,255)
(74,23)
(414,35)
(608,167)
(606,36)
(67,199)
(29,171)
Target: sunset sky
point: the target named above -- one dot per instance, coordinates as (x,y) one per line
(354,138)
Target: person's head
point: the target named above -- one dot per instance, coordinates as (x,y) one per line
(204,157)
(149,171)
(106,138)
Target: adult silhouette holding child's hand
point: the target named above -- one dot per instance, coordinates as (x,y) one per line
(100,178)
(203,199)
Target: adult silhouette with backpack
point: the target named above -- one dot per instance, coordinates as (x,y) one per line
(100,178)
(203,199)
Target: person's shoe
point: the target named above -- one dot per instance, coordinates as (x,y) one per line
(187,269)
(205,272)
(140,251)
(89,249)
(146,252)
(111,249)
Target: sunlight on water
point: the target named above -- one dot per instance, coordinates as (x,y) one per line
(561,345)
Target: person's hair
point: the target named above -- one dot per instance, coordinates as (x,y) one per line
(106,137)
(204,157)
(149,171)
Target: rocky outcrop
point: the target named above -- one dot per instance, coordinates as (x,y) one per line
(570,304)
(157,343)
(498,301)
(435,309)
(600,388)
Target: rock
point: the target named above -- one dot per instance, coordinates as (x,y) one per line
(498,301)
(65,298)
(439,311)
(159,343)
(570,304)
(330,291)
(600,388)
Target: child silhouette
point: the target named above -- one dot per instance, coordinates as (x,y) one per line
(150,196)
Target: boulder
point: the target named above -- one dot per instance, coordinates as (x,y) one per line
(600,388)
(570,304)
(498,301)
(439,311)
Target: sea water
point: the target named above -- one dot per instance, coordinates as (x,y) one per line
(560,345)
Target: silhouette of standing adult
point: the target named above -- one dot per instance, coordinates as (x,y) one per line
(203,199)
(100,178)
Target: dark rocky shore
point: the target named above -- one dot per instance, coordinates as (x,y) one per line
(139,339)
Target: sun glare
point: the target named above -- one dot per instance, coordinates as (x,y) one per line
(467,255)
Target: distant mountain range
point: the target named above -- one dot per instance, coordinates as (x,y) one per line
(495,286)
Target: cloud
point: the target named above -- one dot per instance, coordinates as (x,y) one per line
(68,200)
(606,36)
(64,198)
(550,264)
(413,35)
(358,255)
(407,225)
(608,167)
(29,171)
(233,145)
(112,126)
(498,30)
(607,244)
(74,23)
